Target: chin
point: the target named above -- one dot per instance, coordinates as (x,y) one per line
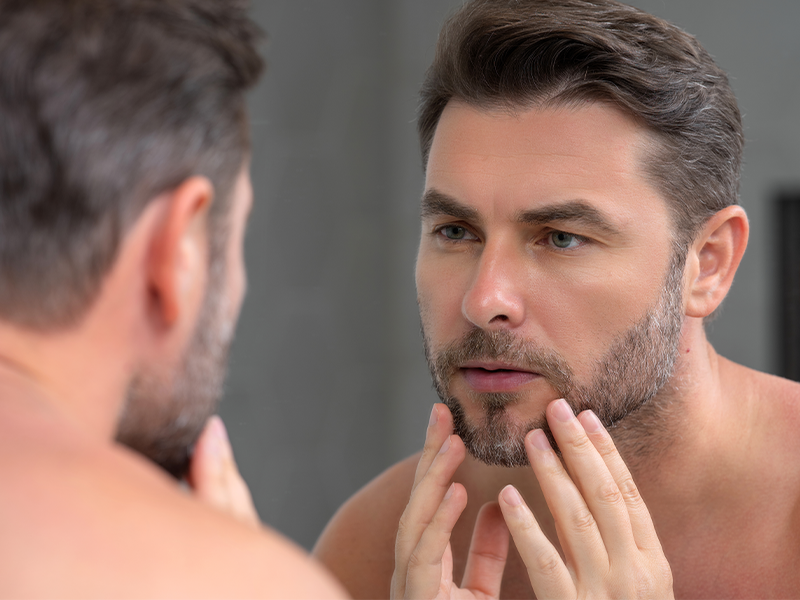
(496,434)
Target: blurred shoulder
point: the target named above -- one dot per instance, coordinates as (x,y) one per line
(85,518)
(357,545)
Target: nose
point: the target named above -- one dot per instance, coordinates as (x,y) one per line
(495,298)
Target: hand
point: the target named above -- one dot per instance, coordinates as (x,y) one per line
(423,558)
(610,546)
(214,477)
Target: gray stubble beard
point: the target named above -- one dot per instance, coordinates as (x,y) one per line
(629,376)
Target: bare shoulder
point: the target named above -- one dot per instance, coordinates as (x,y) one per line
(358,543)
(81,518)
(781,395)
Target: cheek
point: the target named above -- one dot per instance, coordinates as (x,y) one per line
(584,314)
(439,295)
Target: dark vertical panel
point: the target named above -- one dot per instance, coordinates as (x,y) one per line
(789,294)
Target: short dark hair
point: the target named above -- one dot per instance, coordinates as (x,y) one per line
(104,105)
(518,53)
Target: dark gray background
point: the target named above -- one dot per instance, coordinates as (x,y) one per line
(328,385)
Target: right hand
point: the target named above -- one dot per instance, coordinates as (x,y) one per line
(214,477)
(423,558)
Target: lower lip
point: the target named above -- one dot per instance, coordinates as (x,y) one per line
(484,381)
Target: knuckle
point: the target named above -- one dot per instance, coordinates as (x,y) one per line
(403,527)
(609,493)
(415,561)
(583,522)
(629,490)
(546,563)
(606,448)
(648,580)
(580,443)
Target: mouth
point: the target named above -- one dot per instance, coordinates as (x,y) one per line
(495,377)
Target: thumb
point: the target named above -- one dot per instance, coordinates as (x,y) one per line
(214,476)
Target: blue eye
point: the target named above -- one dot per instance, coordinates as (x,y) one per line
(564,240)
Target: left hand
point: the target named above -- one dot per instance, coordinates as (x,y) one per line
(610,545)
(214,477)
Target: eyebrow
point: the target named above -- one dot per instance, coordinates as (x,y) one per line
(436,203)
(572,211)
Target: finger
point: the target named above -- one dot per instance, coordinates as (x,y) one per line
(214,476)
(488,552)
(642,527)
(549,575)
(426,500)
(593,479)
(577,529)
(430,565)
(440,426)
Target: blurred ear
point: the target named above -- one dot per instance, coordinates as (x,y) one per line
(178,258)
(713,259)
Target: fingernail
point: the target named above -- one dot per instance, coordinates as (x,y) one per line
(219,436)
(562,411)
(511,496)
(446,446)
(450,491)
(434,417)
(540,441)
(590,422)
(219,427)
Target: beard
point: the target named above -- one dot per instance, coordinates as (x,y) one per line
(637,364)
(165,413)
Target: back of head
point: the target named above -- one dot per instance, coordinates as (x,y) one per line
(523,53)
(104,104)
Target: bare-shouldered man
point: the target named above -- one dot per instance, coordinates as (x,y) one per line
(124,192)
(580,220)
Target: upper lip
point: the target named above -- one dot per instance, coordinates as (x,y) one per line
(493,365)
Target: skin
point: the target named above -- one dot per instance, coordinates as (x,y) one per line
(85,517)
(717,472)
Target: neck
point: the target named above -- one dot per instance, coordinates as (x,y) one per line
(684,420)
(65,373)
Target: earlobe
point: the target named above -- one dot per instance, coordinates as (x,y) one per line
(178,261)
(713,259)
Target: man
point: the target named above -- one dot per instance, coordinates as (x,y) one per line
(579,223)
(124,193)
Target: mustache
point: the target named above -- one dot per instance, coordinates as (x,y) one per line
(502,345)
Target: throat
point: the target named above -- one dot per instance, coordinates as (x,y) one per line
(646,437)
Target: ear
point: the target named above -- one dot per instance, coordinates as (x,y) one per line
(178,258)
(713,259)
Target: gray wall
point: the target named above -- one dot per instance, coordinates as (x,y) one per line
(328,385)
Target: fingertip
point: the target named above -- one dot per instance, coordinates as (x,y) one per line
(511,496)
(434,416)
(537,439)
(456,496)
(490,508)
(591,424)
(445,418)
(449,491)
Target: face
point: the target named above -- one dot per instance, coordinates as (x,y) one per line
(546,269)
(164,415)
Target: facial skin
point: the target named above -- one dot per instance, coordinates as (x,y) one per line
(165,412)
(546,269)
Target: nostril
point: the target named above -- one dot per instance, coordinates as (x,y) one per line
(501,318)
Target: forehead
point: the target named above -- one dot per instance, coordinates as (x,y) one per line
(515,159)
